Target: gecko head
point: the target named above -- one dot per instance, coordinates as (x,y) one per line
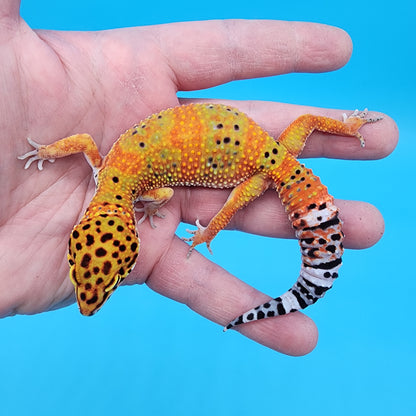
(102,251)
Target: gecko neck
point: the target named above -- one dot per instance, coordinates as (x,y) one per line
(110,203)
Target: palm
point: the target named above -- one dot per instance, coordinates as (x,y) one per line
(64,83)
(43,207)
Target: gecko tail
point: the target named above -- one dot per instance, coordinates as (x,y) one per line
(308,288)
(320,239)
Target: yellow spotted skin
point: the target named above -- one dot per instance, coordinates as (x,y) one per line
(208,145)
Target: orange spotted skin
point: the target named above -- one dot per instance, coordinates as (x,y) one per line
(208,145)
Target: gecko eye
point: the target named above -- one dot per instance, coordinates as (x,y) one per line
(102,252)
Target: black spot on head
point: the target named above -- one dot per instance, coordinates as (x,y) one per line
(74,275)
(93,300)
(115,179)
(266,154)
(116,243)
(99,281)
(83,296)
(227,140)
(105,237)
(96,270)
(214,166)
(128,238)
(71,262)
(120,228)
(86,226)
(111,223)
(273,161)
(75,234)
(312,206)
(97,222)
(293,177)
(322,206)
(86,260)
(237,143)
(115,255)
(88,285)
(106,268)
(219,126)
(100,252)
(118,197)
(218,142)
(236,127)
(122,248)
(133,247)
(121,271)
(90,240)
(275,152)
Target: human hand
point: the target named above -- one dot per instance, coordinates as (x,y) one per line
(59,83)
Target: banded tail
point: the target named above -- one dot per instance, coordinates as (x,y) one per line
(318,229)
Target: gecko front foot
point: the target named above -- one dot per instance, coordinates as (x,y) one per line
(152,201)
(356,119)
(34,155)
(198,237)
(149,211)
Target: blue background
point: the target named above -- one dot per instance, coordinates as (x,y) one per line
(122,362)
